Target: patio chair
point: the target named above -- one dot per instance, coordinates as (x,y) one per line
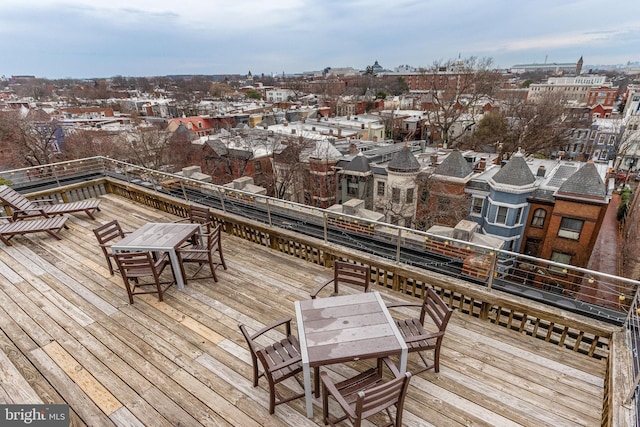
(106,234)
(347,273)
(413,330)
(135,266)
(366,394)
(203,254)
(22,207)
(199,215)
(48,225)
(280,360)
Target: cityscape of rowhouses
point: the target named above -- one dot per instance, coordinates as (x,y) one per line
(524,159)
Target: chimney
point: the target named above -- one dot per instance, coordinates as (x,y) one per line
(541,171)
(482,165)
(434,159)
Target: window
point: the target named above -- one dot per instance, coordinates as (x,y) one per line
(409,197)
(352,186)
(424,195)
(444,204)
(538,218)
(570,228)
(380,190)
(395,195)
(519,216)
(258,166)
(476,205)
(501,215)
(561,258)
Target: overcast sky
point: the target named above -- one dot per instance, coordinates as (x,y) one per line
(92,38)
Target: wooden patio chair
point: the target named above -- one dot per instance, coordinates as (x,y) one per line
(204,254)
(199,215)
(280,360)
(135,266)
(413,330)
(106,234)
(347,273)
(48,225)
(366,394)
(22,208)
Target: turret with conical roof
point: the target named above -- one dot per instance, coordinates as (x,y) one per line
(586,182)
(359,164)
(515,172)
(404,161)
(454,166)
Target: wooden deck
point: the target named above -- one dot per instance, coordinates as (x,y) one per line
(70,336)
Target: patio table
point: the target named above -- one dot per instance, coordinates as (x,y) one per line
(345,328)
(160,237)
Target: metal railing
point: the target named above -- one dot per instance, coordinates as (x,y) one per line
(600,296)
(592,293)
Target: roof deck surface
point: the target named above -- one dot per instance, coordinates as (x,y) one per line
(69,335)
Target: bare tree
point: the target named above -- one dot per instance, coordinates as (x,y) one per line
(438,203)
(83,143)
(34,137)
(290,164)
(536,127)
(149,147)
(452,87)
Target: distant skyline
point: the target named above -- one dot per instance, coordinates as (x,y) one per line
(83,38)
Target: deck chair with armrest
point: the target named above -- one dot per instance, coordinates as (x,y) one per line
(204,253)
(347,273)
(366,395)
(280,360)
(199,215)
(22,207)
(418,335)
(107,234)
(48,225)
(141,273)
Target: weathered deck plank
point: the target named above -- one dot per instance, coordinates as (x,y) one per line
(70,335)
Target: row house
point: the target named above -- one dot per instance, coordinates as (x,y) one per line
(629,151)
(631,100)
(563,225)
(199,125)
(601,101)
(304,171)
(579,90)
(547,209)
(226,159)
(278,94)
(551,209)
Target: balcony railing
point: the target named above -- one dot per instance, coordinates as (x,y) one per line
(591,293)
(579,309)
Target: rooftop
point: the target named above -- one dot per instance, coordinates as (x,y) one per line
(70,336)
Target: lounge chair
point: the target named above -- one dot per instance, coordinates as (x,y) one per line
(51,225)
(22,207)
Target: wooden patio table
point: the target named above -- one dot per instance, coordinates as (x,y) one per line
(160,237)
(344,328)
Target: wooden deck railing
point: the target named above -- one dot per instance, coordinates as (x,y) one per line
(550,324)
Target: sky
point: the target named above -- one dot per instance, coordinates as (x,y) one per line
(88,39)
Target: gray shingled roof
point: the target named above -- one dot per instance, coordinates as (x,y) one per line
(404,161)
(359,163)
(586,181)
(454,165)
(516,172)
